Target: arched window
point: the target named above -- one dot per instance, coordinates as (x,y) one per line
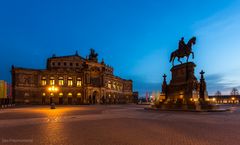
(52,81)
(79,82)
(69,94)
(70,81)
(114,85)
(60,94)
(60,81)
(118,87)
(109,84)
(79,95)
(44,81)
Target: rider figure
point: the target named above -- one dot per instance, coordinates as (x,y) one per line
(181,44)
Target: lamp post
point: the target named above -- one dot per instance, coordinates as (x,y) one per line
(214,100)
(52,90)
(233,100)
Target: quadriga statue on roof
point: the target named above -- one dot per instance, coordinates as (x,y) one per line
(93,55)
(184,50)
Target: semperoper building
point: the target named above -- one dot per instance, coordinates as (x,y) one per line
(70,80)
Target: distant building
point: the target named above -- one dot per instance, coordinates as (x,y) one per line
(3,89)
(71,80)
(225,99)
(9,91)
(5,93)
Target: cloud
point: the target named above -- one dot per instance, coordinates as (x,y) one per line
(215,82)
(219,82)
(219,48)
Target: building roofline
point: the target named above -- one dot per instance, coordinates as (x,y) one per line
(67,56)
(25,68)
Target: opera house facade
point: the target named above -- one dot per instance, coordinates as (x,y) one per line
(70,80)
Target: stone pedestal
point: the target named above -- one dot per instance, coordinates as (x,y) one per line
(183,83)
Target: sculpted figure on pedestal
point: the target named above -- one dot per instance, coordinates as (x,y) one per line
(184,50)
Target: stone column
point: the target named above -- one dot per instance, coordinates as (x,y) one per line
(202,86)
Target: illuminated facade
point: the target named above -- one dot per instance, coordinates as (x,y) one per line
(71,80)
(3,89)
(225,99)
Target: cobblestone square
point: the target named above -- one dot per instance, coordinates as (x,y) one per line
(117,124)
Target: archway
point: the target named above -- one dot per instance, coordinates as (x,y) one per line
(69,98)
(94,97)
(43,98)
(79,98)
(60,98)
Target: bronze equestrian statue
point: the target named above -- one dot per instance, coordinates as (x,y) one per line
(184,50)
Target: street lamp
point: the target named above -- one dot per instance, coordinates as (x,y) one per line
(214,100)
(233,100)
(52,90)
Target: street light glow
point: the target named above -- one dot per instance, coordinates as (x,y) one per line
(53,89)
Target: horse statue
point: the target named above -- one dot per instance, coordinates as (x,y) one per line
(184,50)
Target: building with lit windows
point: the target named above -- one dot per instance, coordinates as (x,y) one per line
(70,80)
(3,89)
(225,99)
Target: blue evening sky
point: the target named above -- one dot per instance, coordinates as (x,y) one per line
(136,37)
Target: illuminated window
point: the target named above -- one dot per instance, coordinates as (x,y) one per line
(70,94)
(181,95)
(70,81)
(79,94)
(43,94)
(60,81)
(118,88)
(114,86)
(79,82)
(60,94)
(109,85)
(52,81)
(43,81)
